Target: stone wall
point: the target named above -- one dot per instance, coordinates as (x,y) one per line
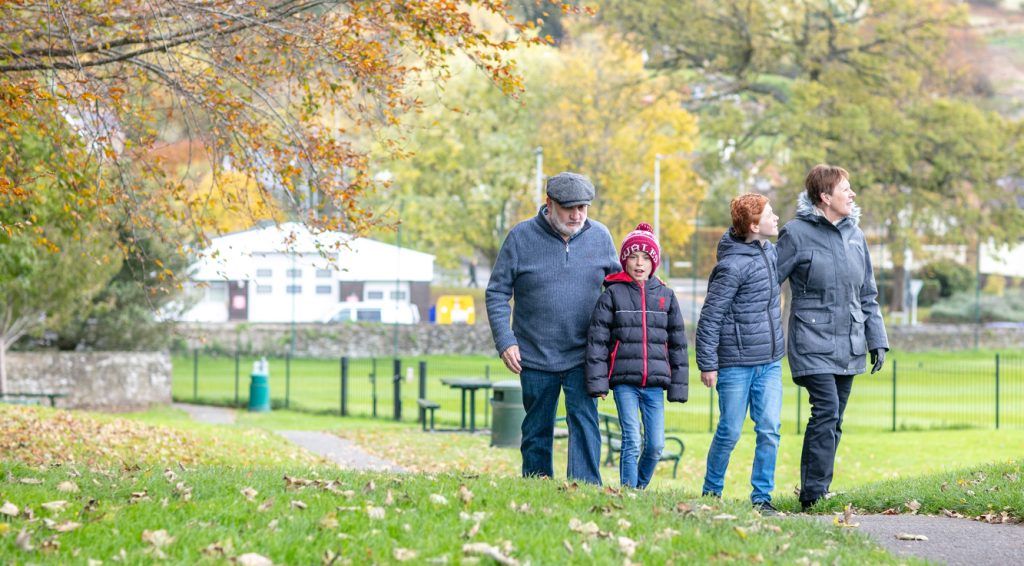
(107,381)
(365,340)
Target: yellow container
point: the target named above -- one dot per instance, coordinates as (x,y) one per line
(455,309)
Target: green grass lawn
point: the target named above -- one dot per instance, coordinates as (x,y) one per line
(146,490)
(933,390)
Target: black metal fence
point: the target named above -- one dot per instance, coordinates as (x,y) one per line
(912,394)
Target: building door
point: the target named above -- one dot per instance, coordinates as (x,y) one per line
(238,300)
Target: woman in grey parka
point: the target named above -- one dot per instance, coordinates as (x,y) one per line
(834,319)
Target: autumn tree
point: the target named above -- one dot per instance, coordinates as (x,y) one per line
(859,84)
(252,83)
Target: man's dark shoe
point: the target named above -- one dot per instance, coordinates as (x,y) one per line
(711,494)
(766,508)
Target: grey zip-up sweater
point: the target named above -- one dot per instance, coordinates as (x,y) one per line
(555,285)
(834,319)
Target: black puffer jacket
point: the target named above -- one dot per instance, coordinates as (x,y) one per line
(636,337)
(741,321)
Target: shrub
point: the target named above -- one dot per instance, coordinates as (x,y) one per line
(952,277)
(960,308)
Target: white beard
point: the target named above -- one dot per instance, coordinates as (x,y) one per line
(560,227)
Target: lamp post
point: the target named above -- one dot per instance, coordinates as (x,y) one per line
(657,196)
(539,152)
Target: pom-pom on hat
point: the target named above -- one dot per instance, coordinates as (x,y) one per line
(641,239)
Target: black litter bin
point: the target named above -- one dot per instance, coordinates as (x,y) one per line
(508,415)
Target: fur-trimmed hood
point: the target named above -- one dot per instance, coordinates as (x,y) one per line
(806,209)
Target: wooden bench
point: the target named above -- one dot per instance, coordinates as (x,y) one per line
(31,398)
(428,405)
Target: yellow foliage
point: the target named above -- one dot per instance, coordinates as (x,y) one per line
(231,201)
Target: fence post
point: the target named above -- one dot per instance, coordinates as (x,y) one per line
(236,376)
(997,390)
(711,409)
(798,408)
(487,404)
(423,390)
(894,395)
(195,374)
(287,379)
(344,387)
(373,384)
(397,380)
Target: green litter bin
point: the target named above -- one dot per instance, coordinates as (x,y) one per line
(508,414)
(259,386)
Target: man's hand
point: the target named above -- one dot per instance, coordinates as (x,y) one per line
(511,358)
(877,359)
(708,378)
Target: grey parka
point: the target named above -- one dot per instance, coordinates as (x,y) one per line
(834,317)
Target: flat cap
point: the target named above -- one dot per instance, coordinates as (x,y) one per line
(570,189)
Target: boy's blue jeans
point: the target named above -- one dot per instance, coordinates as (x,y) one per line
(636,467)
(541,390)
(758,388)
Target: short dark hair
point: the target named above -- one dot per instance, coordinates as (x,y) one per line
(822,179)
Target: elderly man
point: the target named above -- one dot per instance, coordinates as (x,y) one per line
(552,266)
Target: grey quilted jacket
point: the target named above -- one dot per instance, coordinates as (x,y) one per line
(741,321)
(834,317)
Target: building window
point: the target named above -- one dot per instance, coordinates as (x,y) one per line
(324,273)
(374,295)
(264,272)
(294,289)
(264,289)
(398,295)
(323,289)
(368,315)
(293,273)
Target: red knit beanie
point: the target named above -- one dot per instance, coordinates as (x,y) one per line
(641,239)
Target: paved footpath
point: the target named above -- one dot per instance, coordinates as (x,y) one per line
(950,541)
(338,450)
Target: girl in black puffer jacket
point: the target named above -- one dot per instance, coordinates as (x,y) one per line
(636,346)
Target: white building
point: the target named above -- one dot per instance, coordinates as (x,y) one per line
(284,273)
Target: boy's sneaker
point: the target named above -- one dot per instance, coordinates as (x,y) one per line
(766,508)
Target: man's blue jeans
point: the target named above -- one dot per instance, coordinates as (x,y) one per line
(636,467)
(541,390)
(758,388)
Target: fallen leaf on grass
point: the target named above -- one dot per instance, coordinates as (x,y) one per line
(472,531)
(253,559)
(465,495)
(567,546)
(684,508)
(403,554)
(250,493)
(627,546)
(138,497)
(68,487)
(891,511)
(9,509)
(24,541)
(218,549)
(913,506)
(589,528)
(908,536)
(265,505)
(389,499)
(329,521)
(952,514)
(370,486)
(724,517)
(158,538)
(492,552)
(438,499)
(375,512)
(31,481)
(847,519)
(624,524)
(740,531)
(61,527)
(55,506)
(301,505)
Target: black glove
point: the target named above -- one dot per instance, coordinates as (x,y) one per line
(877,359)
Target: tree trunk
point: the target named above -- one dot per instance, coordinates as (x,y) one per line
(3,366)
(899,282)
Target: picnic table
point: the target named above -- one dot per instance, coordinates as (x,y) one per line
(470,385)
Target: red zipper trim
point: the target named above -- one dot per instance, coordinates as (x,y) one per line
(611,366)
(643,320)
